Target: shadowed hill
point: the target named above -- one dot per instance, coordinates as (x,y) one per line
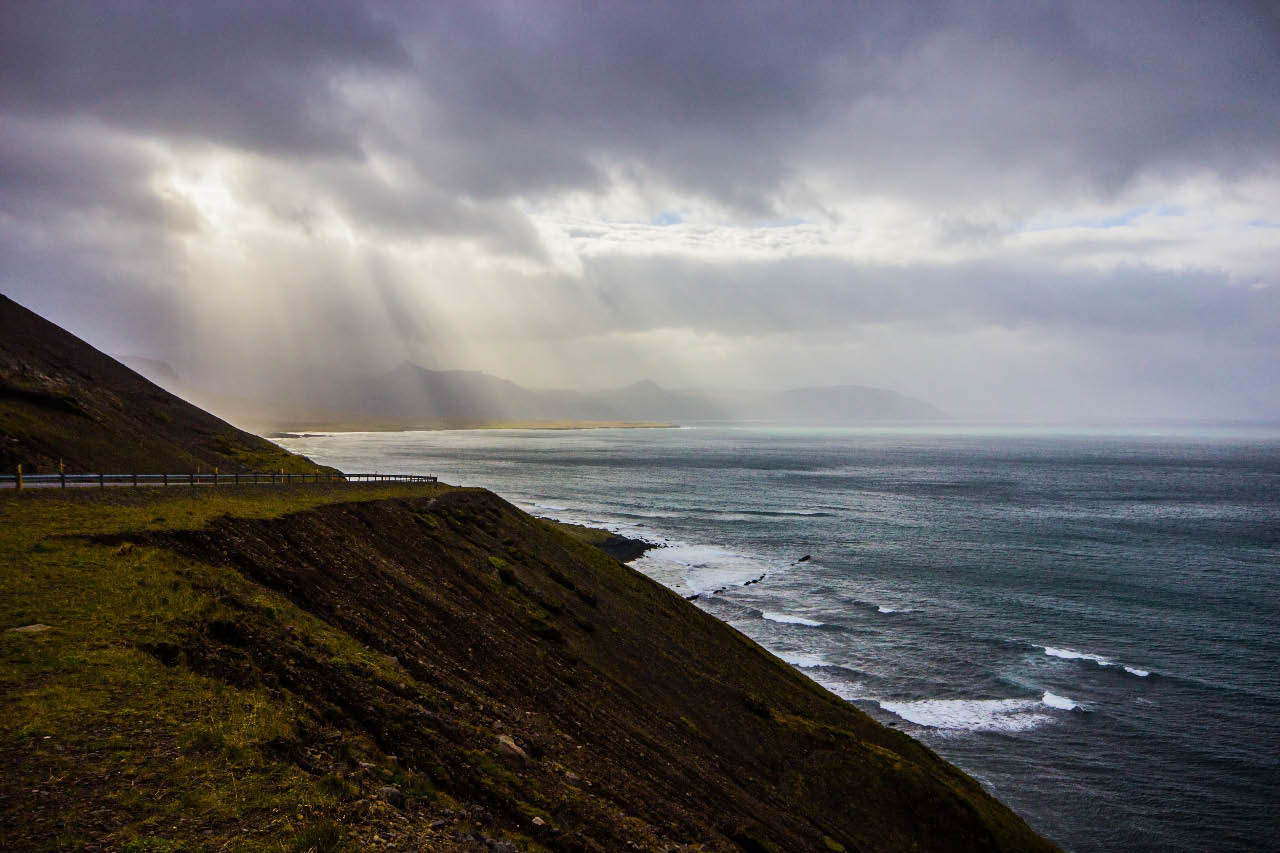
(435,669)
(62,399)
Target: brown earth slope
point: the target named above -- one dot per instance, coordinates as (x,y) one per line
(62,399)
(634,719)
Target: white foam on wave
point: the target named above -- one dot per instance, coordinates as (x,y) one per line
(975,715)
(1072,654)
(804,660)
(821,671)
(788,619)
(700,568)
(846,691)
(1062,703)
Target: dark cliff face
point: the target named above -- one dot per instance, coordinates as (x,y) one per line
(549,681)
(61,399)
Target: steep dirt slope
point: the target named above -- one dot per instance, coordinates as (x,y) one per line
(556,697)
(62,399)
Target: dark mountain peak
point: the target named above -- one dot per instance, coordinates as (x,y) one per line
(417,371)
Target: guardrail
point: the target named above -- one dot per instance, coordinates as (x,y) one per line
(20,481)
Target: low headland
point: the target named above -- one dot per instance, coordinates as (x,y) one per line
(413,666)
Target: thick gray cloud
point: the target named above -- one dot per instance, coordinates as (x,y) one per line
(258,75)
(420,177)
(514,98)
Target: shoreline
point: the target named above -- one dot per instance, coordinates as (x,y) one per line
(625,549)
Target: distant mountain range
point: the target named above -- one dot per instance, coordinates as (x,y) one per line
(410,395)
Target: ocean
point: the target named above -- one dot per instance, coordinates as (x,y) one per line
(1087,621)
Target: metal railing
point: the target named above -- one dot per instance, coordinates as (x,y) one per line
(20,480)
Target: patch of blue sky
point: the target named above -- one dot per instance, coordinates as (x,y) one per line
(1119,220)
(667,217)
(1264,223)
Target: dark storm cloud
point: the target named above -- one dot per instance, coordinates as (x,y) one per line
(731,99)
(518,98)
(256,75)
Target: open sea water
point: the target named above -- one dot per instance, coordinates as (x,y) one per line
(1086,621)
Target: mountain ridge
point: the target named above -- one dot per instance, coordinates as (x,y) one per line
(409,394)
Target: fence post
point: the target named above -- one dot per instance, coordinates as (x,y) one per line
(135,479)
(191,478)
(102,481)
(237,478)
(18,482)
(62,474)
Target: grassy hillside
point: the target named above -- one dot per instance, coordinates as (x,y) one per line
(61,399)
(349,667)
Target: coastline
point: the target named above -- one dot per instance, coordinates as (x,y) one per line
(372,732)
(622,548)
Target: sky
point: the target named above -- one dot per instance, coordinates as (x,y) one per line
(1034,210)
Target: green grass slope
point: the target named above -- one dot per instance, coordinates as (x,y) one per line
(61,399)
(352,667)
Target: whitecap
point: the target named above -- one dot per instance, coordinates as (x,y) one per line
(1072,654)
(848,692)
(824,673)
(788,619)
(1062,703)
(804,660)
(976,715)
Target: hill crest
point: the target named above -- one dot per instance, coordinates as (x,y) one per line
(63,401)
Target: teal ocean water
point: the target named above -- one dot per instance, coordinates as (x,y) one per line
(1086,621)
